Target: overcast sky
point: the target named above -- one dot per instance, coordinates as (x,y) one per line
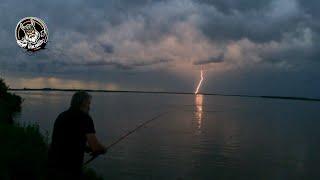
(261,47)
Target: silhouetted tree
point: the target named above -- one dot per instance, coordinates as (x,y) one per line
(10,104)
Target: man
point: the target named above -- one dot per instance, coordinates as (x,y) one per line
(73,131)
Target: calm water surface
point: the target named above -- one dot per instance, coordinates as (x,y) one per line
(201,137)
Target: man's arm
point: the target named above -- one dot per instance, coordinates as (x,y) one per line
(94,144)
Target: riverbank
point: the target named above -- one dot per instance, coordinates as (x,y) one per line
(23,151)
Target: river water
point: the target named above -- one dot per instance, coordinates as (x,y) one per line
(199,137)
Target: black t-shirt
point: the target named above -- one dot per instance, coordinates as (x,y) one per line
(69,140)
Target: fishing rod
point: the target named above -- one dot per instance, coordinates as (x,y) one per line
(95,155)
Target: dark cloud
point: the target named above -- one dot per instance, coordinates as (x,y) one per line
(149,63)
(128,35)
(229,6)
(310,7)
(262,22)
(107,48)
(122,29)
(118,65)
(104,63)
(215,59)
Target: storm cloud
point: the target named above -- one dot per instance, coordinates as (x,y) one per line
(219,35)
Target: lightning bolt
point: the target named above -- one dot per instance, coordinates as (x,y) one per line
(199,85)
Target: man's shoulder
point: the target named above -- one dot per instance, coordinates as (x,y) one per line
(74,114)
(64,113)
(86,116)
(65,116)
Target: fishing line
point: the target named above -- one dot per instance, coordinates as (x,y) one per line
(94,156)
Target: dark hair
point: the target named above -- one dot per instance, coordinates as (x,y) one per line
(78,98)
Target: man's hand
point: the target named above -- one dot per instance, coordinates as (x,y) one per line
(87,149)
(95,145)
(98,152)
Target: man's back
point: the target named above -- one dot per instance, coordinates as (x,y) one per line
(69,140)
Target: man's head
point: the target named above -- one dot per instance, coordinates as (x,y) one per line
(81,100)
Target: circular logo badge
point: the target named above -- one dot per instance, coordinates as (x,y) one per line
(31,33)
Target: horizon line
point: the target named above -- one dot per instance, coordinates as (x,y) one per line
(167,92)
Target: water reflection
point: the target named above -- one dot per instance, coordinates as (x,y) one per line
(199,110)
(233,139)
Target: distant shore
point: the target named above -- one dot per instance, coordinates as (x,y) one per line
(166,92)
